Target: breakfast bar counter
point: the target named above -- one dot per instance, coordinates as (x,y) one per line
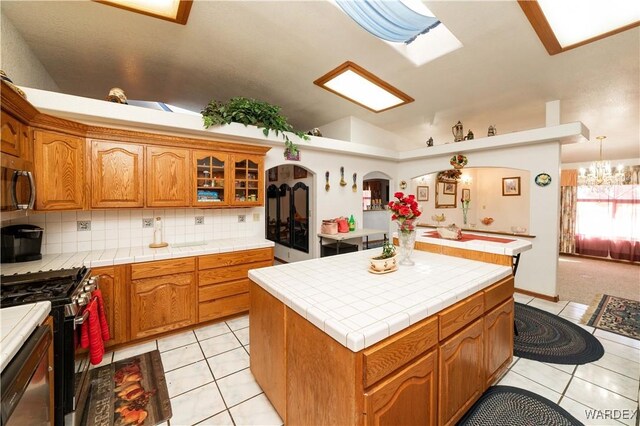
(332,343)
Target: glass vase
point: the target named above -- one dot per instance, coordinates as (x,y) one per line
(406,241)
(464,215)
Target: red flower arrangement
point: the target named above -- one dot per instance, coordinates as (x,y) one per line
(405,211)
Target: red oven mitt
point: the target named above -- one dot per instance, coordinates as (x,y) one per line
(104,326)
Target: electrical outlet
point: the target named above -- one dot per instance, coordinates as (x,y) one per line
(147,222)
(84,225)
(242,218)
(256,217)
(199,220)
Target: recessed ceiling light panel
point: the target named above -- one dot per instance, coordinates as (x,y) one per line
(169,10)
(358,85)
(566,24)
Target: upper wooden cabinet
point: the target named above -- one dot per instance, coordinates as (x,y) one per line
(247,173)
(59,171)
(168,177)
(13,135)
(211,179)
(116,174)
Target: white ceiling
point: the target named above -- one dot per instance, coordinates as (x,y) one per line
(273,50)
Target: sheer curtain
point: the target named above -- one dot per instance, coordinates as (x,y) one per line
(389,20)
(608,222)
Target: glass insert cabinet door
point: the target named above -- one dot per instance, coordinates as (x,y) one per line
(211,178)
(247,180)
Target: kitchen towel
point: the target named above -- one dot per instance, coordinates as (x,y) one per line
(91,335)
(104,326)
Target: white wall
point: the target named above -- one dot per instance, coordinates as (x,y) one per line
(339,200)
(538,267)
(19,62)
(356,130)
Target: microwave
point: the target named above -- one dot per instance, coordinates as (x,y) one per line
(18,189)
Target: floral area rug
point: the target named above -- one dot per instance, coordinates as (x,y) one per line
(614,314)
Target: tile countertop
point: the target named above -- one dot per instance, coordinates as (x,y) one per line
(510,249)
(120,256)
(357,308)
(16,325)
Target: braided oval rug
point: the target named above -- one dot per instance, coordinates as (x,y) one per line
(510,406)
(545,337)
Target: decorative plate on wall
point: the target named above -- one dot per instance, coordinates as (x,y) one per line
(543,179)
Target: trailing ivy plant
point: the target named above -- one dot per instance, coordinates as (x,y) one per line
(250,111)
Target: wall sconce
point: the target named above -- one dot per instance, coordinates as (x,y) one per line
(465,179)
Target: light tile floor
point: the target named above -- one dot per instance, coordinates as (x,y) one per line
(209,380)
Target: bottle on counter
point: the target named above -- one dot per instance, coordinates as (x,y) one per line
(352,224)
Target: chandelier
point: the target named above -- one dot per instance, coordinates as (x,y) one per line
(600,173)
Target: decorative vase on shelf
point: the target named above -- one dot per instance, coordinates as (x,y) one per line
(406,241)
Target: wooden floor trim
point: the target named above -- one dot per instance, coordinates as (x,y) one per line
(538,295)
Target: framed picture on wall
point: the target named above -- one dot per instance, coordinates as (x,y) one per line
(449,188)
(466,194)
(273,174)
(299,172)
(422,193)
(510,186)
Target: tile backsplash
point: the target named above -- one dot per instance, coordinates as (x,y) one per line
(66,232)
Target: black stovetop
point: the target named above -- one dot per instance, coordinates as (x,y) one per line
(54,286)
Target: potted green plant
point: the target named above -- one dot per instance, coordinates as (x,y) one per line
(385,261)
(251,111)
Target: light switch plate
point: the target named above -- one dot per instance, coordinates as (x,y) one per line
(242,218)
(84,225)
(147,222)
(256,217)
(199,220)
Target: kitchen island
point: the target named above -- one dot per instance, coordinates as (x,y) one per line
(332,343)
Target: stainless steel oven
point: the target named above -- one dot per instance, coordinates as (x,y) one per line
(26,398)
(17,188)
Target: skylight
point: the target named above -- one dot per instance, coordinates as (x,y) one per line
(358,85)
(566,24)
(169,10)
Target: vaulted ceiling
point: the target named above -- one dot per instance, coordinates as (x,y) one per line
(274,50)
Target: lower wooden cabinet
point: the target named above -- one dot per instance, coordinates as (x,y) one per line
(113,286)
(461,366)
(408,397)
(498,340)
(162,303)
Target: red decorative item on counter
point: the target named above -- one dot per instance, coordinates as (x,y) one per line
(343,225)
(405,211)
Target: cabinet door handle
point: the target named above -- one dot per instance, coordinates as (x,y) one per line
(14,190)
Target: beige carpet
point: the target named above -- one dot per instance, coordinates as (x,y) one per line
(581,279)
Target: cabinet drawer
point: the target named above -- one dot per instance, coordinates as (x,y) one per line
(162,267)
(223,307)
(392,353)
(230,273)
(217,291)
(497,293)
(235,258)
(461,314)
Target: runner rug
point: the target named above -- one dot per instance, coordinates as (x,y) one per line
(132,391)
(510,406)
(614,314)
(545,337)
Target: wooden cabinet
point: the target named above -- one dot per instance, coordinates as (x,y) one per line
(211,179)
(247,180)
(168,177)
(163,296)
(59,171)
(408,397)
(14,135)
(116,174)
(112,284)
(224,284)
(498,340)
(461,372)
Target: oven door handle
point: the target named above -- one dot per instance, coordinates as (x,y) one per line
(81,319)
